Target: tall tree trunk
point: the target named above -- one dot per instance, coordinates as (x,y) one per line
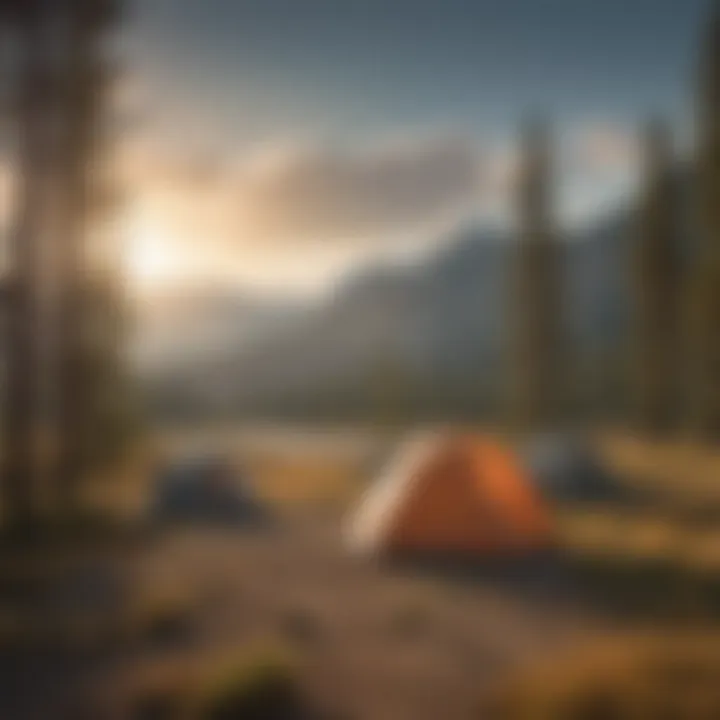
(537,303)
(79,117)
(656,284)
(19,424)
(706,278)
(82,114)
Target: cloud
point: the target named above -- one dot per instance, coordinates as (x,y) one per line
(605,148)
(297,212)
(316,194)
(294,211)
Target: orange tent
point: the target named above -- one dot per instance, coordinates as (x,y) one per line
(460,494)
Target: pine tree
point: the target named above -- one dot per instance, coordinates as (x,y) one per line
(656,284)
(25,22)
(59,76)
(84,87)
(538,367)
(706,277)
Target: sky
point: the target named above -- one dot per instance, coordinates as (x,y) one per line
(280,144)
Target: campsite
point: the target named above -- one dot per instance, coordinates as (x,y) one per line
(359,360)
(366,636)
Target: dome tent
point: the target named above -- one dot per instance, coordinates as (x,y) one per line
(204,489)
(566,467)
(463,495)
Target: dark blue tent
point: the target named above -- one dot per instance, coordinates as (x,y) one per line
(568,468)
(205,489)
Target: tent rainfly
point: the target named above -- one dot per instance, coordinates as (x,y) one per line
(460,494)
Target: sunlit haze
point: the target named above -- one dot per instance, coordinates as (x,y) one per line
(282,160)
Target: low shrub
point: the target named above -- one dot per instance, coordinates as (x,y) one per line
(262,684)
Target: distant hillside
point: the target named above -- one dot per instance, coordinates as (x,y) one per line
(177,331)
(432,336)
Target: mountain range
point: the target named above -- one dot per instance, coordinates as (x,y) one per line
(431,334)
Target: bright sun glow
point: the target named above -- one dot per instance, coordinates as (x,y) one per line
(152,259)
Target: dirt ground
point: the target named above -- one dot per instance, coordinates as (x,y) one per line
(376,642)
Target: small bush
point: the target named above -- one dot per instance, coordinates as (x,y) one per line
(261,685)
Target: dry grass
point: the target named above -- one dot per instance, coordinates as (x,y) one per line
(659,558)
(681,475)
(671,676)
(123,491)
(395,644)
(645,537)
(305,479)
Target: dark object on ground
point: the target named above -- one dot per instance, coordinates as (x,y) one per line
(206,490)
(568,468)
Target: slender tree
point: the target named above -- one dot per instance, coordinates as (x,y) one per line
(656,288)
(29,74)
(112,413)
(706,277)
(85,79)
(538,367)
